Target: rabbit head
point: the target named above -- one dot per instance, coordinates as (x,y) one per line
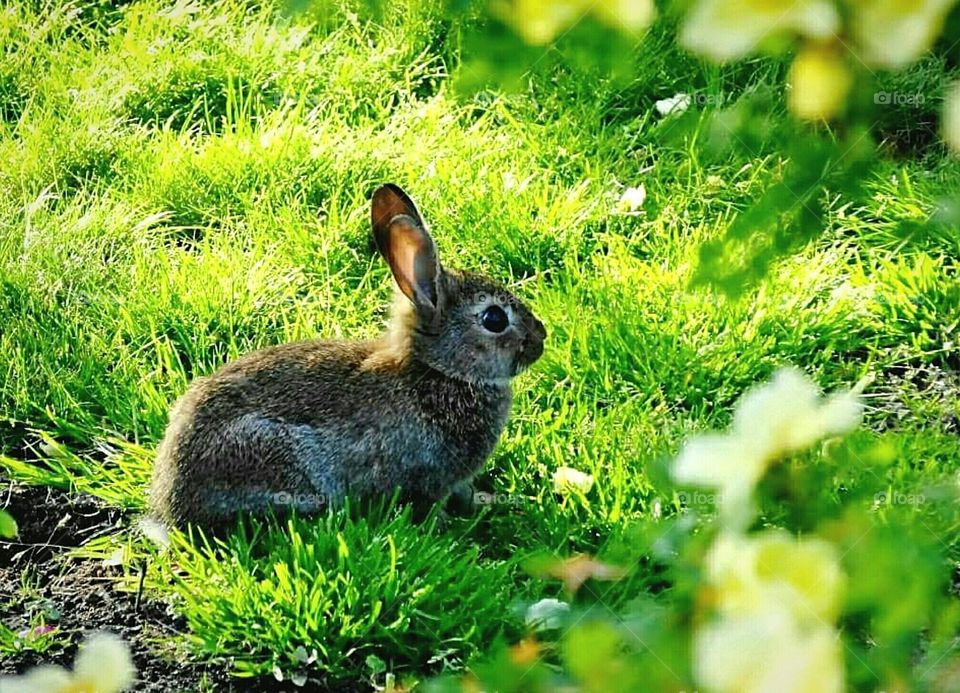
(464,325)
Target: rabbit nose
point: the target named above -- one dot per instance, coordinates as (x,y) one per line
(533,350)
(531,346)
(539,329)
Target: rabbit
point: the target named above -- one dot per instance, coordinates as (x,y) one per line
(304,425)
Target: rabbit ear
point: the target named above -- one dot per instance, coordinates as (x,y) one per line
(390,201)
(405,244)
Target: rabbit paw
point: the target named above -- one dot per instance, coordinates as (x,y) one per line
(461,499)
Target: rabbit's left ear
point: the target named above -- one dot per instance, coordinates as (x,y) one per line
(406,245)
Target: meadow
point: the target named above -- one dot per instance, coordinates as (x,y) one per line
(181,183)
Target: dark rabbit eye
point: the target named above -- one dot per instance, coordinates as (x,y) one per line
(494,319)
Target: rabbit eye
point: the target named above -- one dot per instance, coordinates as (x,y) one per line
(494,319)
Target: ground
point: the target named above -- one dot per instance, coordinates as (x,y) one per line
(183,183)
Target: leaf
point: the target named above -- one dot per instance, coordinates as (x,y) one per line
(375,664)
(8,526)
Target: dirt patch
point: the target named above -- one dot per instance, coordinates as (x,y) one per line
(51,522)
(937,387)
(78,596)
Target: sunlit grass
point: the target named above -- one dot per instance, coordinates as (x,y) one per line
(190,185)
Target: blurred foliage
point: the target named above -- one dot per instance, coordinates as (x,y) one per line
(882,109)
(898,615)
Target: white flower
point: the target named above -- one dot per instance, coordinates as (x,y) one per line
(567,479)
(104,665)
(767,653)
(729,29)
(950,122)
(511,183)
(750,575)
(788,413)
(769,421)
(547,614)
(632,199)
(891,33)
(723,462)
(675,105)
(156,531)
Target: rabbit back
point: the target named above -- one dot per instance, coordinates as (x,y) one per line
(304,425)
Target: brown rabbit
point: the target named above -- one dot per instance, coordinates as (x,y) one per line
(304,425)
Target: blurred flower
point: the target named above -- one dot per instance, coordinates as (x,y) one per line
(541,21)
(538,21)
(546,614)
(525,652)
(950,120)
(789,414)
(675,105)
(782,416)
(629,15)
(632,199)
(104,665)
(729,29)
(891,33)
(773,569)
(819,81)
(567,479)
(576,570)
(767,652)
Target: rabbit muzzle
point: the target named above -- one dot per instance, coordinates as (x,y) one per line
(531,345)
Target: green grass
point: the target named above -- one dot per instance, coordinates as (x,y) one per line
(182,184)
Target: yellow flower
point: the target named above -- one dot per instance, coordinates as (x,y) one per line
(541,21)
(818,83)
(750,575)
(769,421)
(767,652)
(728,29)
(633,16)
(104,665)
(950,122)
(774,600)
(891,33)
(567,479)
(538,21)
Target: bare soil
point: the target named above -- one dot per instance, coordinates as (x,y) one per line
(78,596)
